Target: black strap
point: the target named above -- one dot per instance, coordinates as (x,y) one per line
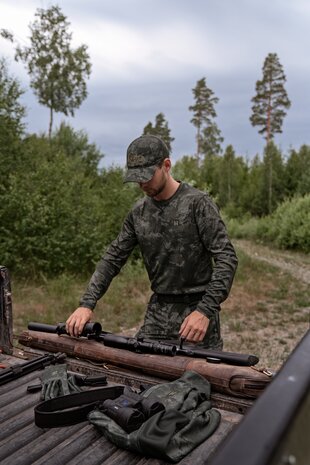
(73,408)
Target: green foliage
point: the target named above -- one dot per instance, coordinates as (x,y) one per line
(242,228)
(290,224)
(271,99)
(208,135)
(187,170)
(160,129)
(288,227)
(297,172)
(58,215)
(12,111)
(272,178)
(117,200)
(11,126)
(76,145)
(229,177)
(58,72)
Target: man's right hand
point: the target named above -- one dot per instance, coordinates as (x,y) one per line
(76,322)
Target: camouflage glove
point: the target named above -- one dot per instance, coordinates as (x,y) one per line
(55,382)
(72,384)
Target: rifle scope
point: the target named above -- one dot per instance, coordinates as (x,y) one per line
(89,328)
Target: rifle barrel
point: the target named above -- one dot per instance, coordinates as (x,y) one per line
(231,358)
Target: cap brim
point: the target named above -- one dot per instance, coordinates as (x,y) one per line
(140,174)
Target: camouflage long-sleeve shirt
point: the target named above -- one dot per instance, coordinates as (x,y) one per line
(184,245)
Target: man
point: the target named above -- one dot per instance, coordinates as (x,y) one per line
(186,251)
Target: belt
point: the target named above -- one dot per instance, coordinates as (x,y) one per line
(180,298)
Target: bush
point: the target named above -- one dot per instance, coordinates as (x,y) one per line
(59,214)
(242,228)
(290,224)
(288,227)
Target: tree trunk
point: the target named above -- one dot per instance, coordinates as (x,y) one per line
(198,142)
(51,123)
(270,186)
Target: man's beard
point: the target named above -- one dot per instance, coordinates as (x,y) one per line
(151,192)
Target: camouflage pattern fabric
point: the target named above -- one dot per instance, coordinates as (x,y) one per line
(188,419)
(143,156)
(184,245)
(163,321)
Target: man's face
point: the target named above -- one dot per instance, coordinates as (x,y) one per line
(156,184)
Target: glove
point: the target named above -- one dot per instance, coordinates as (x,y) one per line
(55,382)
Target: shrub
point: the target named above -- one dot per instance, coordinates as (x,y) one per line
(290,225)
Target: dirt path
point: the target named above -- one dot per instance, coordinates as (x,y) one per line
(295,263)
(267,313)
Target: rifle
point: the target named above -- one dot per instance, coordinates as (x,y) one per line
(21,369)
(139,345)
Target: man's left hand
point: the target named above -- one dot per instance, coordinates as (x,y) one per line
(194,327)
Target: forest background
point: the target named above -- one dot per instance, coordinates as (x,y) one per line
(60,209)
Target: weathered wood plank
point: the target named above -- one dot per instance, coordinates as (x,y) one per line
(23,443)
(16,423)
(42,441)
(98,452)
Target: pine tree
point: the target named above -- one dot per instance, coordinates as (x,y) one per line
(57,72)
(160,129)
(208,136)
(271,99)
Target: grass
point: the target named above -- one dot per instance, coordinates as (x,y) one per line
(52,301)
(267,311)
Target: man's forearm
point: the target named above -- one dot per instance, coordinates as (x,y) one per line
(221,281)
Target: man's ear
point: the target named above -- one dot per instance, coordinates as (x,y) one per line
(167,164)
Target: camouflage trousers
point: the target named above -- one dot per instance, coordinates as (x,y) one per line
(163,321)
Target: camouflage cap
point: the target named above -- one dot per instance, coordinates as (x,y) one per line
(144,154)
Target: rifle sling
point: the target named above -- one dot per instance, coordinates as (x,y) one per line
(72,408)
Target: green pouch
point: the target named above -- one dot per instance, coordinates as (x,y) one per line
(188,419)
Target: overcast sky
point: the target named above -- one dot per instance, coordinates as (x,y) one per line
(147,55)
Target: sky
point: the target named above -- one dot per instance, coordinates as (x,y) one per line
(147,56)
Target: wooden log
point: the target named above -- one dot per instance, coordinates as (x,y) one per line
(234,380)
